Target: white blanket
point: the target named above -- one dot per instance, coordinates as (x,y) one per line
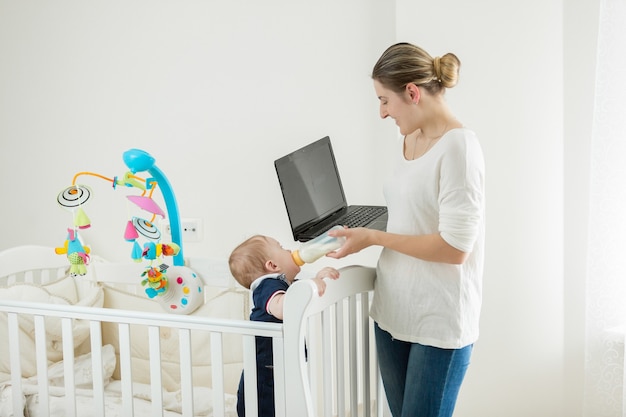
(113,397)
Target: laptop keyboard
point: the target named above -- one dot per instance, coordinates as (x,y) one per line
(362,216)
(359,217)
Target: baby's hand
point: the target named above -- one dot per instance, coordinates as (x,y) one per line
(327,272)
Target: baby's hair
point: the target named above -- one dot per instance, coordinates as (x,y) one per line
(404,63)
(247,261)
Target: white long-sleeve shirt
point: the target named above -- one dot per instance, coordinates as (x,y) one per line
(441,192)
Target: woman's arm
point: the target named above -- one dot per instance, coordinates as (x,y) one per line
(431,248)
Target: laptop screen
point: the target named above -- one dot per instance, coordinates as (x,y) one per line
(310,183)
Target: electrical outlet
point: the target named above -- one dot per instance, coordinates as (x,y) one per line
(190,229)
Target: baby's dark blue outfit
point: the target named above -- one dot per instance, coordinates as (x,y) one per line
(262,291)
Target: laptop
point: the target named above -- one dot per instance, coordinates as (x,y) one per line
(313,193)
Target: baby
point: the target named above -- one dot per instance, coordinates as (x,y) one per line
(262,265)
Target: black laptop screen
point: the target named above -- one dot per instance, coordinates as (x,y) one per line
(310,183)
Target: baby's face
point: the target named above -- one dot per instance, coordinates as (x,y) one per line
(282,258)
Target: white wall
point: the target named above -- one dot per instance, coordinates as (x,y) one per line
(580,45)
(217,91)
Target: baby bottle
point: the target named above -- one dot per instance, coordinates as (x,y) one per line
(314,249)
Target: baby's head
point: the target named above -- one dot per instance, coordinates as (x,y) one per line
(247,261)
(258,256)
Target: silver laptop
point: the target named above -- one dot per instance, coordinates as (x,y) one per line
(313,193)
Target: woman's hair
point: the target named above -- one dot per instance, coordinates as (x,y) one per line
(247,261)
(404,63)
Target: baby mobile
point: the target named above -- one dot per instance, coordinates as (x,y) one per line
(176,287)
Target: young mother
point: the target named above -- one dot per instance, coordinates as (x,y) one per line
(429,276)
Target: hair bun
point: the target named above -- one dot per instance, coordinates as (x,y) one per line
(437,68)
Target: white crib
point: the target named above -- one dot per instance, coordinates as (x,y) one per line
(62,358)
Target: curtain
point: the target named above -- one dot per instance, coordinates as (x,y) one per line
(606,274)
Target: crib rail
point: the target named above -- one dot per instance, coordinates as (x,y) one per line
(336,377)
(43,265)
(35,276)
(342,362)
(124,319)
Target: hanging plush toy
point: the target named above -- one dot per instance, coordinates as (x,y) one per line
(77,254)
(155,277)
(155,280)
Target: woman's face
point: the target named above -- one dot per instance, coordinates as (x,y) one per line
(400,107)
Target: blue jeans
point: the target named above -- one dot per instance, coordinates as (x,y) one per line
(420,381)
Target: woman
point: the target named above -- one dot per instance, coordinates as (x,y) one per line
(427,298)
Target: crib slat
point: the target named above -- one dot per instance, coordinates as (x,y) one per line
(340,348)
(154,342)
(29,277)
(311,334)
(42,363)
(186,377)
(327,357)
(16,366)
(96,367)
(353,357)
(126,369)
(8,280)
(217,373)
(68,366)
(365,361)
(250,378)
(279,377)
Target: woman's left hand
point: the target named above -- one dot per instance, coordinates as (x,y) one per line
(357,238)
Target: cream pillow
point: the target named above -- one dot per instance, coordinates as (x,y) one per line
(64,287)
(222,303)
(60,292)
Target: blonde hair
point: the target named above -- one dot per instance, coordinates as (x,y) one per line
(404,63)
(247,261)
